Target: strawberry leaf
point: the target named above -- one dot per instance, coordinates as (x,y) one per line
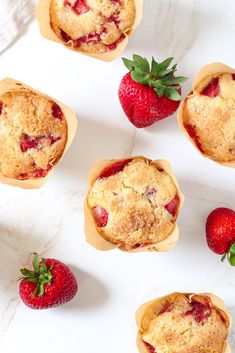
(177,80)
(232,249)
(129,64)
(164,65)
(36,262)
(143,62)
(154,65)
(172,94)
(27,273)
(232,260)
(160,76)
(138,77)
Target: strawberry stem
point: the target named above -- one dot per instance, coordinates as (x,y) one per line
(41,275)
(230,255)
(159,76)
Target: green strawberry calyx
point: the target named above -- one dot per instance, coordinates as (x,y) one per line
(159,76)
(230,255)
(40,275)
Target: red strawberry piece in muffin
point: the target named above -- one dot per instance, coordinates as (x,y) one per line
(200,310)
(173,206)
(150,348)
(212,89)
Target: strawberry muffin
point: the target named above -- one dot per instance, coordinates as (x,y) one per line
(90,26)
(207,115)
(183,323)
(132,205)
(33,133)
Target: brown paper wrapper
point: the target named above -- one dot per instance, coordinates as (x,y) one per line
(216,301)
(43,17)
(10,85)
(92,233)
(205,71)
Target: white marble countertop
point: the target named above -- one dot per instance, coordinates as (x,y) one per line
(50,220)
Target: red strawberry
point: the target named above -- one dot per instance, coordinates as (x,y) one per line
(49,284)
(220,233)
(148,94)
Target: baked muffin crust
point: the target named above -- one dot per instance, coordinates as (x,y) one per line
(92,26)
(133,203)
(182,323)
(33,134)
(209,116)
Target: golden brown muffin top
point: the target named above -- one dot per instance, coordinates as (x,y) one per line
(133,203)
(33,134)
(93,26)
(184,323)
(209,117)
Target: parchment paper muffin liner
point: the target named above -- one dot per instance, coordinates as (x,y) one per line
(11,85)
(216,301)
(205,71)
(92,233)
(43,17)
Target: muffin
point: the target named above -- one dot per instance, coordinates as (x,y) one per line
(35,131)
(132,205)
(183,323)
(98,28)
(207,114)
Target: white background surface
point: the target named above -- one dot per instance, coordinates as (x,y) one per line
(50,220)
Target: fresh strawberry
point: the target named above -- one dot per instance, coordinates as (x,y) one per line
(148,94)
(220,233)
(49,284)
